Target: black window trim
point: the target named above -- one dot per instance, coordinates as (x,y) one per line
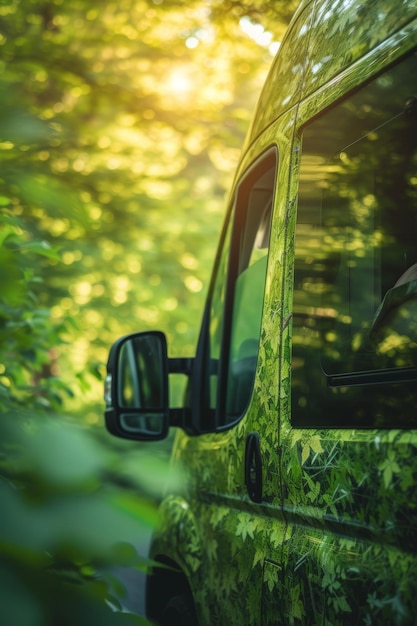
(204,419)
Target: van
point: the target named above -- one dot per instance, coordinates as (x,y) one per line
(297,438)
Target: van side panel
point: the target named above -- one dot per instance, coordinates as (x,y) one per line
(351,549)
(239,534)
(349,496)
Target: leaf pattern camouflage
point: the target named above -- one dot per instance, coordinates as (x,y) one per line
(334,540)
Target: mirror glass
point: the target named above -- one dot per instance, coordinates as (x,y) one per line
(142,383)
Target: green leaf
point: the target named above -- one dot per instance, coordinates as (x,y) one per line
(43,248)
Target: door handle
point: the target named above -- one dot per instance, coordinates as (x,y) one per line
(253,467)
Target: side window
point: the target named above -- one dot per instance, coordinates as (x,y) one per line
(355,290)
(236,302)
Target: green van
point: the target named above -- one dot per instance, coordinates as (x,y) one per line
(297,437)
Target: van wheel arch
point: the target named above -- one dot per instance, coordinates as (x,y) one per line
(168,593)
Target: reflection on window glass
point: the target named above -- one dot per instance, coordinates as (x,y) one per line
(355,295)
(250,249)
(217,310)
(236,303)
(140,381)
(129,394)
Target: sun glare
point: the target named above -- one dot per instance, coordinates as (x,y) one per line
(257,33)
(179,82)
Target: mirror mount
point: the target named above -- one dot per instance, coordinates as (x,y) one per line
(136,388)
(180,366)
(180,417)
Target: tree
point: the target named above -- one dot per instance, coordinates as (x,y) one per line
(121,130)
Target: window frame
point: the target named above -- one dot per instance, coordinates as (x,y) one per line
(215,419)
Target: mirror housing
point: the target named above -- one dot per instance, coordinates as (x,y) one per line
(136,387)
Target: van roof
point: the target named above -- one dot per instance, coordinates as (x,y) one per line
(324,38)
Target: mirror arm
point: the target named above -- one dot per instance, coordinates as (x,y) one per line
(179,417)
(180,366)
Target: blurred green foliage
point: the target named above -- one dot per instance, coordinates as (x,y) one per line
(120,127)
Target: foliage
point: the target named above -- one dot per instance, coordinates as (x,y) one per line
(28,375)
(59,526)
(61,531)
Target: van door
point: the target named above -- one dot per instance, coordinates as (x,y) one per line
(235,468)
(350,443)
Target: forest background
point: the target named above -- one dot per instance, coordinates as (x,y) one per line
(120,127)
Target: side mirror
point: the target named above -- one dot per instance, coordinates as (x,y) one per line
(136,387)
